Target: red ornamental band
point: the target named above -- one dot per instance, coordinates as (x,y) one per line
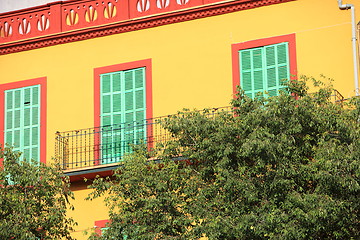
(68,21)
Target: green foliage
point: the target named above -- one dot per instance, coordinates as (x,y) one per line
(161,194)
(284,167)
(33,200)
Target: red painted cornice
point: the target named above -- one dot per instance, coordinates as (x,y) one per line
(131,24)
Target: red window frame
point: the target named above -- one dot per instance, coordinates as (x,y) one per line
(42,81)
(99,225)
(235,48)
(148,89)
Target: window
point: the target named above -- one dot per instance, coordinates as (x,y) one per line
(22,120)
(23,124)
(102,226)
(122,105)
(264,69)
(263,65)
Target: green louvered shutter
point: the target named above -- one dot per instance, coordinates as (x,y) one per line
(252,71)
(122,112)
(277,67)
(264,69)
(22,120)
(246,72)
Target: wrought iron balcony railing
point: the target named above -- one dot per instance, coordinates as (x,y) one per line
(100,146)
(338,97)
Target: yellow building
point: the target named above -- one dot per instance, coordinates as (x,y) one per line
(72,73)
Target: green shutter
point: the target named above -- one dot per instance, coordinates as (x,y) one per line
(246,72)
(252,71)
(283,67)
(122,106)
(270,58)
(258,74)
(22,120)
(264,69)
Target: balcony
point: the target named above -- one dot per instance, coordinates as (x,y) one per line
(102,148)
(106,145)
(99,149)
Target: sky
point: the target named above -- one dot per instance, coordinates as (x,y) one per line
(12,5)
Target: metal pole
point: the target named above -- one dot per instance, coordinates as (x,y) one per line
(353,39)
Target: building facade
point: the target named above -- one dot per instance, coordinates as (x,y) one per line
(80,80)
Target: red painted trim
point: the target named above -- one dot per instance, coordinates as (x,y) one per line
(115,68)
(99,225)
(128,25)
(43,102)
(235,48)
(149,107)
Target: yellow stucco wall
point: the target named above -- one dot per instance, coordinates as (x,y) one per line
(86,211)
(191,66)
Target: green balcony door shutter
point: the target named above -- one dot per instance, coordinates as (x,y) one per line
(139,105)
(22,120)
(123,111)
(106,118)
(128,105)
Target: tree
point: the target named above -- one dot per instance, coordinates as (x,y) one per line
(33,200)
(284,167)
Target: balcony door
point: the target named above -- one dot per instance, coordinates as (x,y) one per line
(122,113)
